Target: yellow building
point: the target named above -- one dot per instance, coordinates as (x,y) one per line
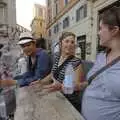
(38,25)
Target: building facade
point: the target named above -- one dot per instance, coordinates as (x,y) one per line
(39,10)
(7,16)
(8,12)
(8,36)
(80,17)
(7,21)
(38,27)
(38,24)
(21,29)
(9,30)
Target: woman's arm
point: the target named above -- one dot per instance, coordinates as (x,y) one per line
(80,82)
(45,81)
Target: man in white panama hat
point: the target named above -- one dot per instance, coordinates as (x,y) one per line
(38,61)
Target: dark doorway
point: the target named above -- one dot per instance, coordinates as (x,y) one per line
(82,44)
(40,43)
(1,46)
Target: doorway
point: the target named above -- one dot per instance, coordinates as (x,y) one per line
(81,40)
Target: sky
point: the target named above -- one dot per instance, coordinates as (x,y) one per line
(24,11)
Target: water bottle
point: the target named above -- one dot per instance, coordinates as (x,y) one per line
(3,113)
(22,65)
(69,80)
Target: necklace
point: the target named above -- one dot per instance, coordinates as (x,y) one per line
(61,60)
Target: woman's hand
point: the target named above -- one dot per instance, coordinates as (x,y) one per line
(35,83)
(77,86)
(80,86)
(56,86)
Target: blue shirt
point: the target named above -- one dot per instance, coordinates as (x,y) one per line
(101,99)
(41,68)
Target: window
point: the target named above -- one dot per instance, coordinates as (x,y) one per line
(3,13)
(49,2)
(66,2)
(56,28)
(66,22)
(56,7)
(56,10)
(40,24)
(49,15)
(82,44)
(49,32)
(81,13)
(40,12)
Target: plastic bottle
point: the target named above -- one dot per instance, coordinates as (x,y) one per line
(22,65)
(69,80)
(3,113)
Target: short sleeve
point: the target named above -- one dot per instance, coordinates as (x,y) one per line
(76,62)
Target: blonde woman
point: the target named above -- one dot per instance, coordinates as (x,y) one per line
(67,51)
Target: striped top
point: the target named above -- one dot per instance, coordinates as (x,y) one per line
(61,74)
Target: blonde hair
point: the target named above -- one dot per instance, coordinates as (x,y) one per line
(66,34)
(63,36)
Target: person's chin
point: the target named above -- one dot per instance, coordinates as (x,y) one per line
(68,53)
(101,43)
(28,54)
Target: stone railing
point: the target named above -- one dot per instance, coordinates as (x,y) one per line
(38,105)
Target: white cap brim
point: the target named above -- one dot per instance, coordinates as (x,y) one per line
(24,41)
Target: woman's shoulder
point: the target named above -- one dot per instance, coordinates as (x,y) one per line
(76,61)
(100,57)
(56,55)
(101,54)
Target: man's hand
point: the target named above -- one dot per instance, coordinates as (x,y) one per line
(7,83)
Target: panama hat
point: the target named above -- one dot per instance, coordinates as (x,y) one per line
(25,37)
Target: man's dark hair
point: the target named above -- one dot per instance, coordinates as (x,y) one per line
(111,17)
(40,43)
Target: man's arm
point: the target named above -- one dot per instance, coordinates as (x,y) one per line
(4,83)
(41,70)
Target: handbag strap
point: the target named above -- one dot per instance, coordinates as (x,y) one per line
(103,69)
